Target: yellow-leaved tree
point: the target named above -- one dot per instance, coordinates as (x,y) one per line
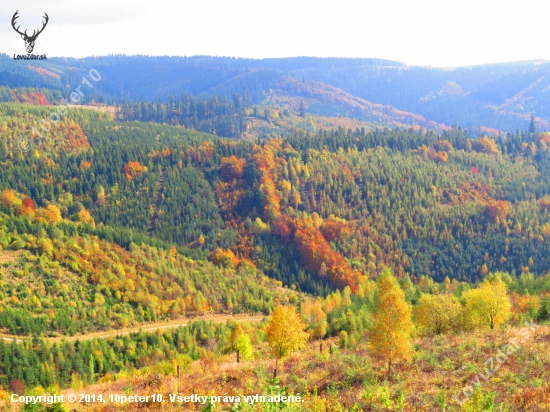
(316,319)
(489,303)
(240,343)
(243,346)
(390,337)
(285,332)
(437,313)
(101,197)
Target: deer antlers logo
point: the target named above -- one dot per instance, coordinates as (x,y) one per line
(29,40)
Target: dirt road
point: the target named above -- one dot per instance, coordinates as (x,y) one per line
(146,327)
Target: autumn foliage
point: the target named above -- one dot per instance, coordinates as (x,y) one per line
(437,156)
(232,167)
(285,332)
(437,313)
(311,242)
(316,319)
(485,145)
(202,153)
(283,226)
(34,98)
(335,229)
(11,200)
(23,205)
(133,170)
(497,208)
(28,207)
(316,251)
(85,217)
(391,332)
(489,304)
(443,145)
(545,203)
(85,165)
(544,138)
(224,258)
(50,214)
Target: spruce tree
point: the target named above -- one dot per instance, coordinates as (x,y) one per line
(532,125)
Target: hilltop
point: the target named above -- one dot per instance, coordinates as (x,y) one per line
(502,96)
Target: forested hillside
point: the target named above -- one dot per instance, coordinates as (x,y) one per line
(502,97)
(58,277)
(346,234)
(314,211)
(214,115)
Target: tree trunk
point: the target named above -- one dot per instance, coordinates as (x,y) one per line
(276,365)
(321,347)
(238,356)
(389,370)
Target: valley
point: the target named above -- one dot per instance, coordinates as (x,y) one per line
(356,231)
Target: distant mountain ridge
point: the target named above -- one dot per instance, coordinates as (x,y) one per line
(502,96)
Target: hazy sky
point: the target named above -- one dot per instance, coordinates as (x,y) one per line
(416,32)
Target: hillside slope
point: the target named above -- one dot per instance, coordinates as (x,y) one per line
(314,211)
(498,96)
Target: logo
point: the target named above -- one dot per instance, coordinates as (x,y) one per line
(29,40)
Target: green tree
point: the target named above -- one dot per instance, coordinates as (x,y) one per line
(302,109)
(243,347)
(532,125)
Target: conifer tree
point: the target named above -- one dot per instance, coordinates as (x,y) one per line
(302,109)
(532,125)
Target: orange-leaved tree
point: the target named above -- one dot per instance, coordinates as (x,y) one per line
(232,167)
(497,208)
(285,332)
(485,145)
(390,338)
(133,169)
(226,258)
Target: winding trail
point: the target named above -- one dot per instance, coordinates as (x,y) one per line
(145,327)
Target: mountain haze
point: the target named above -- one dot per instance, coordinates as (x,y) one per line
(502,97)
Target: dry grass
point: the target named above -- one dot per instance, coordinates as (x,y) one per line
(9,256)
(336,382)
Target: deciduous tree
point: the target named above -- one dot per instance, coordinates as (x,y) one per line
(243,347)
(488,304)
(391,332)
(316,319)
(285,332)
(437,313)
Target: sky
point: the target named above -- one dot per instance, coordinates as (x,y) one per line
(439,33)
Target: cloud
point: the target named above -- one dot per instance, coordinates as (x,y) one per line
(71,12)
(422,32)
